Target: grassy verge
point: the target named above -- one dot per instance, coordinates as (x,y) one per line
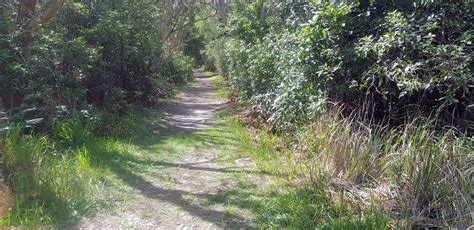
(221,89)
(336,173)
(79,168)
(331,174)
(56,179)
(284,198)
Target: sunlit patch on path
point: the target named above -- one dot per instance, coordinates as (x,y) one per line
(187,184)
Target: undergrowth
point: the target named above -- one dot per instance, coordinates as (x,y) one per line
(332,173)
(286,200)
(338,173)
(335,174)
(58,178)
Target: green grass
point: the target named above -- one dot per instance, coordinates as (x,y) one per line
(322,170)
(50,182)
(221,90)
(282,203)
(75,171)
(72,172)
(59,178)
(319,187)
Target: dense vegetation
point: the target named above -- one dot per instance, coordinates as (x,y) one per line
(108,55)
(71,71)
(364,109)
(397,61)
(374,101)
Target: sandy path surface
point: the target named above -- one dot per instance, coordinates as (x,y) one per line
(175,194)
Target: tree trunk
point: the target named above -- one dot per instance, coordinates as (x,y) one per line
(31,21)
(26,12)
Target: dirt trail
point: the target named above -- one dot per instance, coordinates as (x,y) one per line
(173,194)
(194,109)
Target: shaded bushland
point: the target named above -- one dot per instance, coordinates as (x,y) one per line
(99,57)
(71,72)
(400,78)
(397,152)
(292,61)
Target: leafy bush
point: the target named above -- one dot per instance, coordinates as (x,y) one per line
(102,54)
(215,57)
(414,62)
(180,68)
(396,60)
(403,76)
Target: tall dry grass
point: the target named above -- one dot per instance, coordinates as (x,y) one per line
(419,176)
(5,193)
(5,199)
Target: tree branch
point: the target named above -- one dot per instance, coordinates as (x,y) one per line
(44,15)
(33,21)
(173,30)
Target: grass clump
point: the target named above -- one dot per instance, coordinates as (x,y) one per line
(337,173)
(48,181)
(341,173)
(416,174)
(55,178)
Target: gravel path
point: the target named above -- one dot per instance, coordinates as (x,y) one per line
(175,193)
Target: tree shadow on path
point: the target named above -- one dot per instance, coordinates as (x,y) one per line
(177,197)
(193,111)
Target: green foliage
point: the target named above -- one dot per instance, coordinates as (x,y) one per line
(50,183)
(414,60)
(57,179)
(385,64)
(103,54)
(396,60)
(10,66)
(290,61)
(338,174)
(289,198)
(74,133)
(89,64)
(426,170)
(247,22)
(128,51)
(275,72)
(180,68)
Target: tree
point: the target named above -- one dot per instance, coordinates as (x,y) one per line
(30,21)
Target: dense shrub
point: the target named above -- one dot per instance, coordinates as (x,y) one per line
(104,54)
(415,62)
(71,86)
(401,74)
(398,61)
(10,66)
